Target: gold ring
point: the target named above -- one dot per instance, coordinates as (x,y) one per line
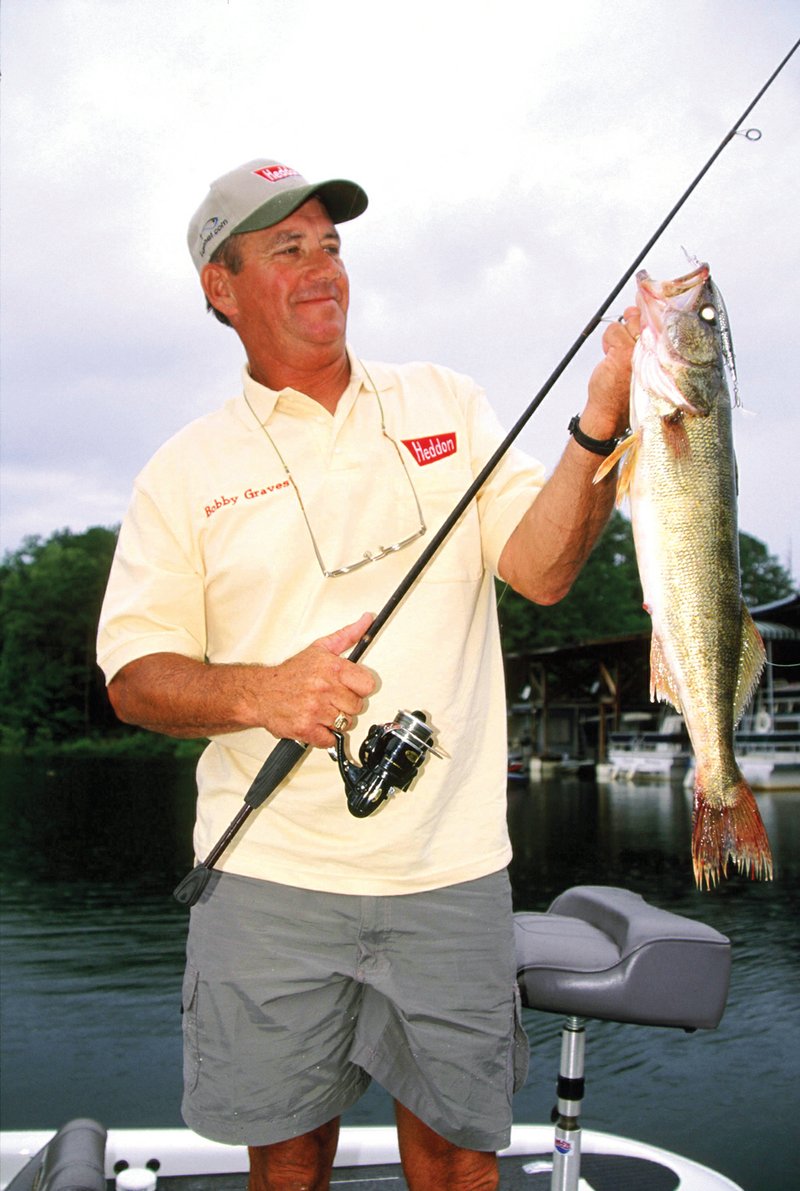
(340,723)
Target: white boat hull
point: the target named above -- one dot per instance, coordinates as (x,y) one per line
(181,1152)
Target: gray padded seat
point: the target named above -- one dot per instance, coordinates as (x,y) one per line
(72,1160)
(606,953)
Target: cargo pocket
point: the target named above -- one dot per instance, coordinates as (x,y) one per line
(191,1046)
(520,1051)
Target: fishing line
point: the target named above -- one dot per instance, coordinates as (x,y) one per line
(287,753)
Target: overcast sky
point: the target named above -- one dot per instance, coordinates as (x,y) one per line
(517,156)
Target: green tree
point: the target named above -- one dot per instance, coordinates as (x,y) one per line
(764,579)
(50,597)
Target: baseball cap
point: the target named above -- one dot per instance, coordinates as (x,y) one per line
(260,194)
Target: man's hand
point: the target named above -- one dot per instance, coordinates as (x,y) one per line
(299,698)
(607,407)
(307,692)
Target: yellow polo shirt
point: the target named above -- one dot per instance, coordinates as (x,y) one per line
(215,561)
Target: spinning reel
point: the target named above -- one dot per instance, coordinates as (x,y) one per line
(390,756)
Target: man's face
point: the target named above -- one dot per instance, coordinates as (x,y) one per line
(292,292)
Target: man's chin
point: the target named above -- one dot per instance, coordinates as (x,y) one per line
(324,329)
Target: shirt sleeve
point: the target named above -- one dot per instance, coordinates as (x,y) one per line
(154,601)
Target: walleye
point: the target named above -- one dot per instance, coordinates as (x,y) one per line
(677,466)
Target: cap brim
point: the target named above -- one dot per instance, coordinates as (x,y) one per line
(343,200)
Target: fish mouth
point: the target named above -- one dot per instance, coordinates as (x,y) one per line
(679,287)
(654,298)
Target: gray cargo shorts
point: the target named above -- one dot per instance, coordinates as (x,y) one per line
(294,999)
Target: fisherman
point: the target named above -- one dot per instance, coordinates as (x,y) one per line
(327,950)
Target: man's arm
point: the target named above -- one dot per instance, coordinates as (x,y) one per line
(545,553)
(298,699)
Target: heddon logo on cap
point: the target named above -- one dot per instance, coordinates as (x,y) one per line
(276,173)
(239,202)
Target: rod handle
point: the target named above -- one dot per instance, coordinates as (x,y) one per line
(278,765)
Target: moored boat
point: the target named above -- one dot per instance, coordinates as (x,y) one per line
(643,752)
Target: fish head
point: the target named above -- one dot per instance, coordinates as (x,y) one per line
(678,357)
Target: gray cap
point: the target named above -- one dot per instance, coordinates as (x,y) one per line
(260,194)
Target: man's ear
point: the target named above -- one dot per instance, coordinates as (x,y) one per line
(216,283)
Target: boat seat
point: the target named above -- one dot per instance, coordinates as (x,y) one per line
(602,952)
(72,1160)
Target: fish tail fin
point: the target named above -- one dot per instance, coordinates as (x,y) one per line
(624,454)
(731,830)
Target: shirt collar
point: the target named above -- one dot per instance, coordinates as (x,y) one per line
(262,400)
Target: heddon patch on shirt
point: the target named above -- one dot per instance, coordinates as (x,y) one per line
(431,449)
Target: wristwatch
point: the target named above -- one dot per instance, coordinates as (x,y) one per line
(599,446)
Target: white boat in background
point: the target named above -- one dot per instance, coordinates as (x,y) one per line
(767,741)
(644,751)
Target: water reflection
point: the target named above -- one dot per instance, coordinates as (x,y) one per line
(93,954)
(92,942)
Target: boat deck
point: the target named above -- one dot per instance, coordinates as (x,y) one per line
(603,1172)
(368,1161)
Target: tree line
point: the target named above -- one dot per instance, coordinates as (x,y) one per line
(52,691)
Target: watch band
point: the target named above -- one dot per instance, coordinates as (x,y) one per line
(599,446)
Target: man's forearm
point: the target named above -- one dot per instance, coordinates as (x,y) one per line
(545,553)
(547,550)
(178,696)
(299,698)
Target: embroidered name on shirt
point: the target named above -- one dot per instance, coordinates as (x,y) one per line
(225,502)
(429,450)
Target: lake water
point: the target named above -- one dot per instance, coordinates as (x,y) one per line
(93,954)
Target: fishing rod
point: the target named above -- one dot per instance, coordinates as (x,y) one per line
(392,754)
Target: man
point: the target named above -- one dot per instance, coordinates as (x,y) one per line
(328,950)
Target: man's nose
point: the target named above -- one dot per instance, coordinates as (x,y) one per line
(322,264)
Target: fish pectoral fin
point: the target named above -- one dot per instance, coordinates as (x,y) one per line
(662,684)
(675,436)
(624,453)
(751,662)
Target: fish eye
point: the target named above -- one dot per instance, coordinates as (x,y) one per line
(708,314)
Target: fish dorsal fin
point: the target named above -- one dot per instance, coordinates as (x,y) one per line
(662,685)
(624,454)
(751,663)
